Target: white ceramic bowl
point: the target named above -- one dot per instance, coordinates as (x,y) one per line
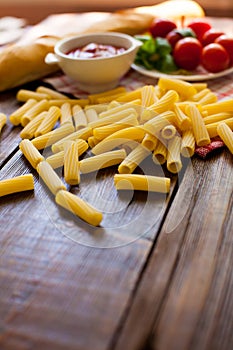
(99,74)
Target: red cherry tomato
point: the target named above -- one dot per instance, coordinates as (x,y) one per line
(227,43)
(210,36)
(172,37)
(161,27)
(199,27)
(215,58)
(187,53)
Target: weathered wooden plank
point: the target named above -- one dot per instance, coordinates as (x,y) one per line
(173,294)
(70,293)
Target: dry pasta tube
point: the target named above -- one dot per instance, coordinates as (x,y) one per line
(79,207)
(31,153)
(215,118)
(92,141)
(71,163)
(99,108)
(130,96)
(103,131)
(174,163)
(200,132)
(113,118)
(66,113)
(148,95)
(29,130)
(80,119)
(149,141)
(142,183)
(3,120)
(212,128)
(101,161)
(83,134)
(16,184)
(39,107)
(91,115)
(52,93)
(199,86)
(55,135)
(107,99)
(182,120)
(94,97)
(72,102)
(23,95)
(49,121)
(218,107)
(183,88)
(226,135)
(187,144)
(133,159)
(168,132)
(56,160)
(159,155)
(156,124)
(208,98)
(50,177)
(15,117)
(118,138)
(121,108)
(200,94)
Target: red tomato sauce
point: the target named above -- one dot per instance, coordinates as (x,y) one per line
(94,50)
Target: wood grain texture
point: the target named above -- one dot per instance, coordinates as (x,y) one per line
(189,275)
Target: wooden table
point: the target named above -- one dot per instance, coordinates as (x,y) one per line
(156,275)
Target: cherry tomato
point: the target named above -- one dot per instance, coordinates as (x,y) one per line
(187,53)
(172,37)
(161,27)
(215,58)
(199,27)
(227,43)
(210,36)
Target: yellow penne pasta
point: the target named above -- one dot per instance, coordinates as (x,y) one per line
(56,160)
(91,115)
(200,131)
(106,130)
(168,132)
(55,135)
(142,183)
(181,119)
(199,86)
(208,98)
(80,119)
(16,184)
(133,159)
(185,89)
(15,117)
(107,99)
(50,177)
(174,163)
(200,94)
(113,104)
(29,130)
(113,118)
(71,163)
(218,107)
(72,102)
(94,97)
(215,118)
(66,113)
(3,120)
(84,134)
(101,161)
(187,144)
(99,108)
(52,93)
(149,141)
(118,138)
(148,96)
(23,95)
(226,134)
(212,128)
(49,121)
(39,107)
(165,103)
(31,153)
(122,107)
(130,96)
(92,141)
(160,153)
(79,207)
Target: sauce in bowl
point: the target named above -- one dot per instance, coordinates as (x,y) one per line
(94,50)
